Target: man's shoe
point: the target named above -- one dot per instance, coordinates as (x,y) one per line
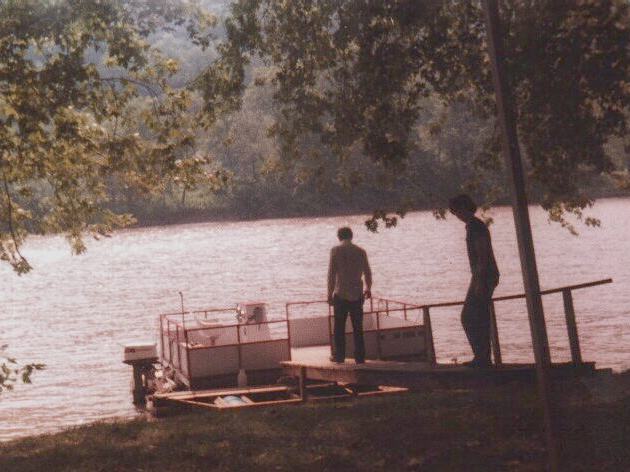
(335,360)
(477,364)
(359,361)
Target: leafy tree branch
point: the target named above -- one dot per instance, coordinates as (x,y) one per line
(85,100)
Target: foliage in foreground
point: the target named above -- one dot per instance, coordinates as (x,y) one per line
(495,429)
(84,101)
(12,372)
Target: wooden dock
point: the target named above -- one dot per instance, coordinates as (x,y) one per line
(319,379)
(312,364)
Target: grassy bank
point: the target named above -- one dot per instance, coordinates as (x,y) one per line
(463,430)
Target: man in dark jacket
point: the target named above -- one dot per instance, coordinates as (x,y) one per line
(348,264)
(485,277)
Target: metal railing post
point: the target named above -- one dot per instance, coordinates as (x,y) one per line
(238,340)
(170,342)
(569,314)
(179,349)
(378,335)
(288,331)
(428,335)
(162,335)
(330,332)
(188,366)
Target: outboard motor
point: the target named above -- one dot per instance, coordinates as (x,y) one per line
(141,357)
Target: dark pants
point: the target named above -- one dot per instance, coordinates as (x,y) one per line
(476,323)
(342,309)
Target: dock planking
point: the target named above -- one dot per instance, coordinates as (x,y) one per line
(313,364)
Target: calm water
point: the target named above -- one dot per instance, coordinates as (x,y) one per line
(75,313)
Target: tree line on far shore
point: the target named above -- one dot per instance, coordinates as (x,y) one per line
(443,162)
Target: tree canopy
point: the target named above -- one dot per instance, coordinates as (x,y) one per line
(84,101)
(354,74)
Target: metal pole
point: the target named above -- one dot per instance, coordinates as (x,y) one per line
(507,120)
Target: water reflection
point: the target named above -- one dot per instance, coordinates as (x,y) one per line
(75,313)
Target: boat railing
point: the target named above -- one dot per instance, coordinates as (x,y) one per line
(195,314)
(569,314)
(179,336)
(378,319)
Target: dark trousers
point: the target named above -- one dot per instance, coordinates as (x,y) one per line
(355,310)
(476,323)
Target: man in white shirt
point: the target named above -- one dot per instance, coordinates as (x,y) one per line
(348,265)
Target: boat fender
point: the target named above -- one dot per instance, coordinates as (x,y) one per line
(241,378)
(233,400)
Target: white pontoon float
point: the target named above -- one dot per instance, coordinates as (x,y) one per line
(211,347)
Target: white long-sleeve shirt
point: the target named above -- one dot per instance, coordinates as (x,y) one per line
(348,264)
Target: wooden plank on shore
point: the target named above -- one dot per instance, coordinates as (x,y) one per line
(421,367)
(225,406)
(383,390)
(199,394)
(219,403)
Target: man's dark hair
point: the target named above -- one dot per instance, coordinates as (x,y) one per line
(462,202)
(344,233)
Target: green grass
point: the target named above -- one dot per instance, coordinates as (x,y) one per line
(459,430)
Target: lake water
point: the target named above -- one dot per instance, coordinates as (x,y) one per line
(76,313)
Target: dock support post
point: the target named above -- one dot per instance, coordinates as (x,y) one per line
(494,336)
(302,384)
(574,340)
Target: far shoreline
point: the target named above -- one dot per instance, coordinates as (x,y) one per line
(204,216)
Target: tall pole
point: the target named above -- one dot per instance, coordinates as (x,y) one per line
(511,153)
